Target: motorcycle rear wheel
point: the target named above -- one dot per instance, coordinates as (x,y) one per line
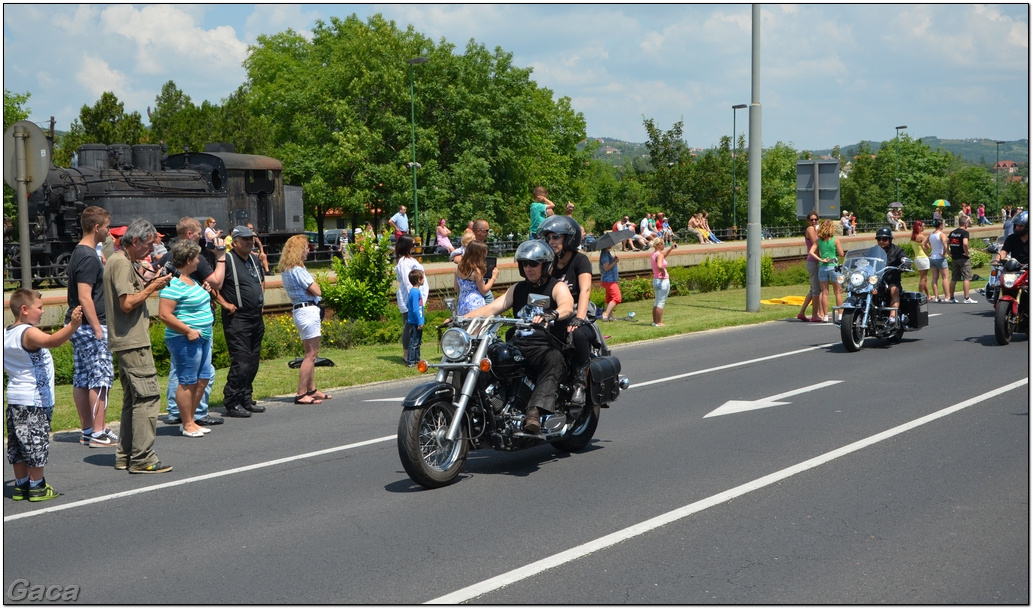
(431,460)
(1003,324)
(851,331)
(582,433)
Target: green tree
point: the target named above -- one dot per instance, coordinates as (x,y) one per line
(106,122)
(339,114)
(778,185)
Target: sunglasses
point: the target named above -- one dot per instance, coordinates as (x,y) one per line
(554,237)
(530,264)
(813,219)
(884,239)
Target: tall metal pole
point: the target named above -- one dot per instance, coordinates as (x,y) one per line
(735,154)
(997,176)
(897,180)
(22,193)
(753,235)
(415,165)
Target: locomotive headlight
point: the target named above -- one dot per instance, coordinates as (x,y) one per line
(455,343)
(856,280)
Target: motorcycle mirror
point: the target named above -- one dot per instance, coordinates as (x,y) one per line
(538,300)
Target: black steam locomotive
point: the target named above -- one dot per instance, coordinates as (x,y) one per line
(144,182)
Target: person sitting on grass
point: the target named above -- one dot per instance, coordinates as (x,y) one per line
(30,392)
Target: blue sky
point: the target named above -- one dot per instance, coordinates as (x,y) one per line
(831,74)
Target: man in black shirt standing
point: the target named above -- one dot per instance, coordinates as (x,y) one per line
(961,265)
(242,297)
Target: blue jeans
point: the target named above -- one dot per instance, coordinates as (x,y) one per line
(415,342)
(170,392)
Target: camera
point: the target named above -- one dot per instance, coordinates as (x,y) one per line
(170,269)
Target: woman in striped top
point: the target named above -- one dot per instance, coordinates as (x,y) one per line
(186,309)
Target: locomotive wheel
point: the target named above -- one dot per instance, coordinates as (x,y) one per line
(60,268)
(581,434)
(1003,322)
(430,459)
(851,331)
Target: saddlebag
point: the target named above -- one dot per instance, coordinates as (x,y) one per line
(915,306)
(603,379)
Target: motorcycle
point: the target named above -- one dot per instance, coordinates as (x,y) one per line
(866,306)
(993,284)
(479,397)
(1011,313)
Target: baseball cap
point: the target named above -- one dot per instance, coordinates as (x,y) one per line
(241,232)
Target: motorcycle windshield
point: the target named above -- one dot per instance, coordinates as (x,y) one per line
(872,259)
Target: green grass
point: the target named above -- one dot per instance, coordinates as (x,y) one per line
(683,314)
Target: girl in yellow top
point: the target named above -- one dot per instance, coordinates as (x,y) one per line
(922,249)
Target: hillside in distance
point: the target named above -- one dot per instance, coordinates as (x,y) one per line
(974,151)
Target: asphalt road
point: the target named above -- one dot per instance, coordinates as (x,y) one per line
(899,474)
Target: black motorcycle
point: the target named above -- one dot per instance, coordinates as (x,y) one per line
(866,309)
(479,396)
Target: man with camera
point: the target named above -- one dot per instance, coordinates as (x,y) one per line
(189,229)
(125,300)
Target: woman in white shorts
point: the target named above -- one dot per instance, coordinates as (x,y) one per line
(305,295)
(922,249)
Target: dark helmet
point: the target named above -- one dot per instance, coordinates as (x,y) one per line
(884,233)
(1021,220)
(535,250)
(562,225)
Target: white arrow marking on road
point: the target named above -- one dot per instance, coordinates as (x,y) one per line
(733,406)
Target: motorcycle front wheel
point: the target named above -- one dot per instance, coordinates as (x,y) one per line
(581,434)
(1002,322)
(851,331)
(430,459)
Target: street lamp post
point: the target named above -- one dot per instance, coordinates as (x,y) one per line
(897,180)
(997,175)
(735,148)
(414,165)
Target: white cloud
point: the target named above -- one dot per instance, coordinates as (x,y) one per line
(97,76)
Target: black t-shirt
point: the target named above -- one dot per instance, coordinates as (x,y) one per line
(956,241)
(894,256)
(520,293)
(1017,248)
(85,267)
(577,266)
(249,273)
(204,270)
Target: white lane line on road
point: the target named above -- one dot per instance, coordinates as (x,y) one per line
(585,549)
(156,487)
(385,400)
(733,365)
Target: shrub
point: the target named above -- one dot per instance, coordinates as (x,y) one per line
(363,288)
(979,258)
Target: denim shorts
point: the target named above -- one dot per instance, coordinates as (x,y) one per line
(827,273)
(938,263)
(191,358)
(661,288)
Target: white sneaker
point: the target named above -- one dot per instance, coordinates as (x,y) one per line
(953,301)
(970,301)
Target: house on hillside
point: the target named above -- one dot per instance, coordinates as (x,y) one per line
(1009,166)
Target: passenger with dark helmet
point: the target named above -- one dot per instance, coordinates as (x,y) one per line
(534,261)
(563,234)
(894,257)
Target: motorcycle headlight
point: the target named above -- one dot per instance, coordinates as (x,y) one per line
(840,279)
(856,280)
(455,343)
(1009,279)
(872,279)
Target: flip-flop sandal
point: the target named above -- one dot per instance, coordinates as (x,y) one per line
(321,396)
(298,399)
